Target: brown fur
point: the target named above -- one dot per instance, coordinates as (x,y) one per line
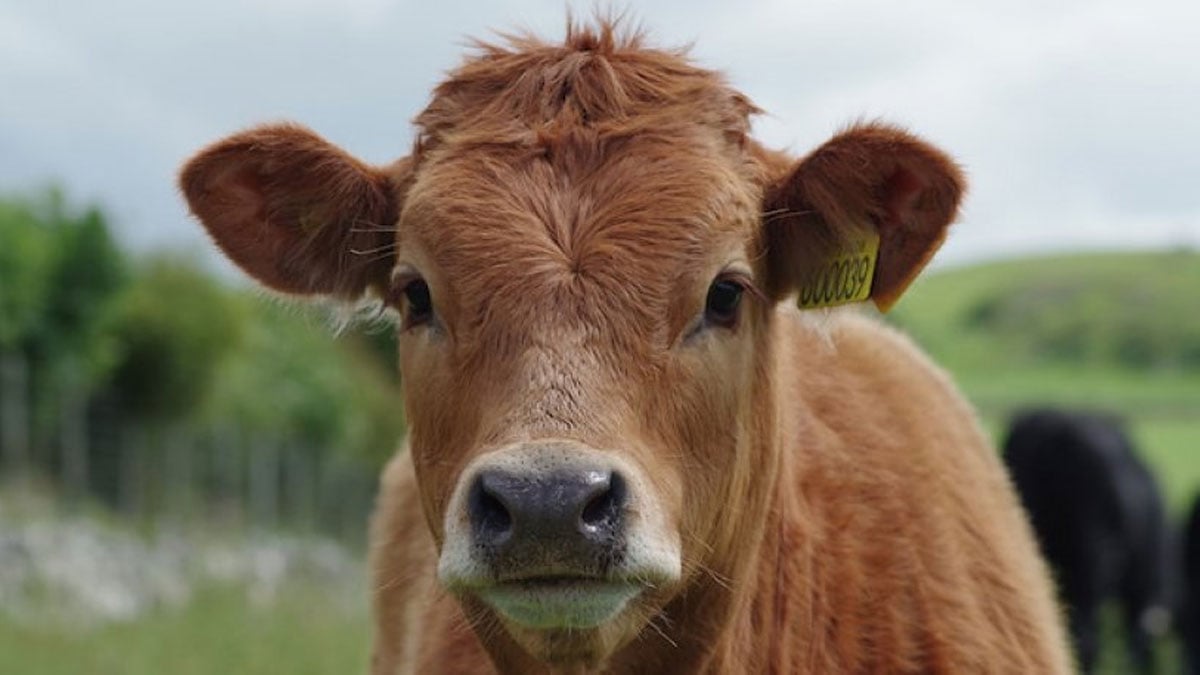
(568,206)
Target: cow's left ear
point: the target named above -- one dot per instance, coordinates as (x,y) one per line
(870,179)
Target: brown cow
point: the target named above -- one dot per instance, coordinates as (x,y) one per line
(629,451)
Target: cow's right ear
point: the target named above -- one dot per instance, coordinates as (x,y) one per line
(297,213)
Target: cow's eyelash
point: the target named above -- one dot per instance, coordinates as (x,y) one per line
(744,280)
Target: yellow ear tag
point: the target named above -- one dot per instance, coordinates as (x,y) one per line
(845,275)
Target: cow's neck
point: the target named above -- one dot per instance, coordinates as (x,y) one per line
(764,624)
(720,631)
(742,614)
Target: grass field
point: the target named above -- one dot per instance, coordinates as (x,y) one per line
(303,632)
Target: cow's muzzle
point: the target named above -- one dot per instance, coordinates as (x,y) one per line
(555,535)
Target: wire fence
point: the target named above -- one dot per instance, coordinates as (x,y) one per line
(93,454)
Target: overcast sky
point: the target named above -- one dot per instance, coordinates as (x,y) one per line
(1078,122)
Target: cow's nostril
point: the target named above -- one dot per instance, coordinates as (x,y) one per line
(490,517)
(603,511)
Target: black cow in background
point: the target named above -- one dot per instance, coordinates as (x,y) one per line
(1189,616)
(1100,521)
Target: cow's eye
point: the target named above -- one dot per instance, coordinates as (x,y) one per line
(419,308)
(724,298)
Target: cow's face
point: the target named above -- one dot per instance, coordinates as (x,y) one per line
(585,313)
(577,341)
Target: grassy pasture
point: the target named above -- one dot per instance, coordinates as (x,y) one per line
(303,631)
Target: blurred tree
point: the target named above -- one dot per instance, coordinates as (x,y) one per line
(60,272)
(26,250)
(87,275)
(294,378)
(149,383)
(174,327)
(25,254)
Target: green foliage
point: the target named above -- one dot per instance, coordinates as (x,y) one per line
(175,325)
(88,273)
(25,254)
(295,379)
(60,272)
(167,346)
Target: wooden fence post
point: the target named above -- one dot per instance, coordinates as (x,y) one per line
(14,412)
(264,483)
(73,437)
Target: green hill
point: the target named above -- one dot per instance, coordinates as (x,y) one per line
(1113,331)
(1132,310)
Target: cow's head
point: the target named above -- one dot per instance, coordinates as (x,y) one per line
(586,252)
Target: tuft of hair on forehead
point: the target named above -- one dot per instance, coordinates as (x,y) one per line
(603,78)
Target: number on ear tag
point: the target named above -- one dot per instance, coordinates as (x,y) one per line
(845,275)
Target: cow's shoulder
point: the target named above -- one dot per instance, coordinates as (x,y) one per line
(858,376)
(889,365)
(892,470)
